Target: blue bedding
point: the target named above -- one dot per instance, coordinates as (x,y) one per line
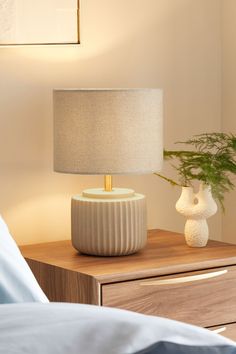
(53,328)
(17,282)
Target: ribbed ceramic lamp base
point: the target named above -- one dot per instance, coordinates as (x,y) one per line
(109,227)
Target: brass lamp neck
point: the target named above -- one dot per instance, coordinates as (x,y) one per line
(108,183)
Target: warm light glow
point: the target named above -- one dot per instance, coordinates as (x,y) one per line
(40,214)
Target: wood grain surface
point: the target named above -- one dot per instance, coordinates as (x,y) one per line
(66,275)
(228,332)
(203,302)
(166,253)
(62,285)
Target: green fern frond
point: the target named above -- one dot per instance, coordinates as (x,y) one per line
(212,160)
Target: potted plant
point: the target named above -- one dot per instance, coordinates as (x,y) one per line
(212,162)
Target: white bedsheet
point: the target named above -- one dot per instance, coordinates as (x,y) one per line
(73,328)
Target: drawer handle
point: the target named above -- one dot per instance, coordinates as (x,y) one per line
(185,279)
(219,330)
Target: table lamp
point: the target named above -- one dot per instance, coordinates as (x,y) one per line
(108,132)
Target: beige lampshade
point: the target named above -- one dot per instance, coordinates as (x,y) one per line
(108,131)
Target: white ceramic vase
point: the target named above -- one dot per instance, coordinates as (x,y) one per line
(196,207)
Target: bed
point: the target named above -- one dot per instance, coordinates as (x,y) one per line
(29,324)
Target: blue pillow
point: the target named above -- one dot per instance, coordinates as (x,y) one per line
(17,282)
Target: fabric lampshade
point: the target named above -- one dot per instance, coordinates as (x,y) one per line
(108,131)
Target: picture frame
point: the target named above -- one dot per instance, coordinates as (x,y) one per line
(39,22)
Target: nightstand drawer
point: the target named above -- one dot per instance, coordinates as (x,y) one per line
(204,298)
(228,330)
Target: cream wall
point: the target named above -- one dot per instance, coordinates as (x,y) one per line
(171,44)
(229,102)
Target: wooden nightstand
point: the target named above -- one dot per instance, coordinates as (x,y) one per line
(167,279)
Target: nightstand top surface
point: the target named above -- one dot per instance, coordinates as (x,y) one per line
(166,253)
